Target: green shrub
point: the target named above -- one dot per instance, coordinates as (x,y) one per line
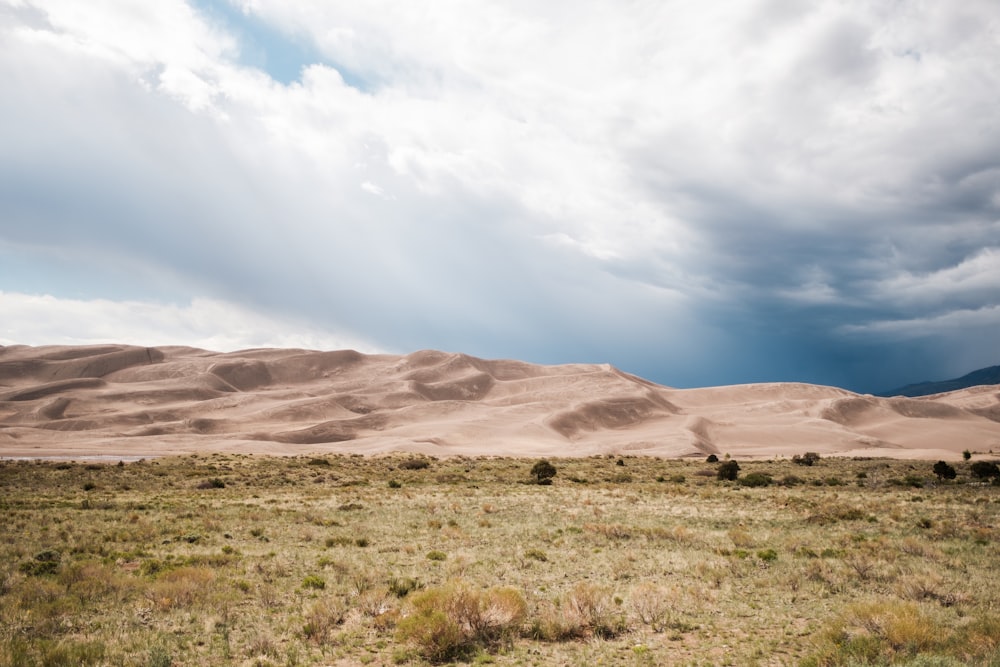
(712,458)
(393,484)
(755,479)
(767,555)
(403,586)
(728,470)
(44,562)
(543,471)
(944,471)
(449,622)
(984,469)
(414,464)
(436,555)
(536,554)
(807,459)
(314,582)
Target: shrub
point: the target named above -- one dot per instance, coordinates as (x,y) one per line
(323,616)
(414,464)
(436,555)
(768,555)
(314,582)
(592,605)
(536,554)
(877,633)
(393,484)
(213,483)
(712,458)
(944,471)
(653,606)
(756,479)
(44,562)
(807,459)
(543,471)
(448,622)
(403,586)
(966,455)
(728,470)
(984,469)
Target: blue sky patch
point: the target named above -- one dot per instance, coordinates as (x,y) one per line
(280,54)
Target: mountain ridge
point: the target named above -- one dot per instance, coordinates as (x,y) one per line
(982,376)
(120,400)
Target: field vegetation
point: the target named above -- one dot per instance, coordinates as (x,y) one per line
(231,559)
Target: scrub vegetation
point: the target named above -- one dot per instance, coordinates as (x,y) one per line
(316,560)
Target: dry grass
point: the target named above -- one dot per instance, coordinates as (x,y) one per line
(319,561)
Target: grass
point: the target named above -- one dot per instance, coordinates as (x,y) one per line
(243,560)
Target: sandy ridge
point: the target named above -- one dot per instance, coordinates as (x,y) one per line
(119,400)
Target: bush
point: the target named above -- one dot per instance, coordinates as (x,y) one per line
(767,555)
(728,470)
(214,483)
(449,622)
(944,471)
(436,555)
(807,459)
(756,479)
(414,464)
(543,472)
(403,586)
(712,458)
(393,484)
(536,554)
(984,469)
(966,455)
(44,562)
(314,582)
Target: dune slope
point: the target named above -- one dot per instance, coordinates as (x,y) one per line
(118,400)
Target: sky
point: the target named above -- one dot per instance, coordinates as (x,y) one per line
(698,193)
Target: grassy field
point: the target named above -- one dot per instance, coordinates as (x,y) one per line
(341,560)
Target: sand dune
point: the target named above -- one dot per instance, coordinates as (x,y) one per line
(117,400)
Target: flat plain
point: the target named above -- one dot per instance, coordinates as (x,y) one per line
(234,559)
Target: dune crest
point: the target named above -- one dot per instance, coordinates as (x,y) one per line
(135,401)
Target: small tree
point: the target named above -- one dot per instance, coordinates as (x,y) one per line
(966,455)
(807,459)
(543,472)
(944,471)
(728,470)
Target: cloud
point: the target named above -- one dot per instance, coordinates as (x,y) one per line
(204,323)
(698,194)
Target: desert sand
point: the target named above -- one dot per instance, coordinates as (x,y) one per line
(118,401)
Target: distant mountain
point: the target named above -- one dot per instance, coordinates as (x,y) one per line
(989,375)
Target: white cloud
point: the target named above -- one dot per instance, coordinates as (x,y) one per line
(206,323)
(975,279)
